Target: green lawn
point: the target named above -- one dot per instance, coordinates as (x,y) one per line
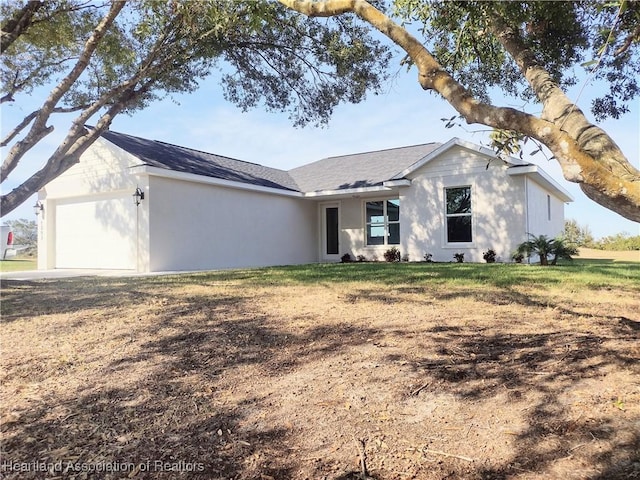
(578,273)
(18,265)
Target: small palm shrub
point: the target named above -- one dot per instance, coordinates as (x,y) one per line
(562,249)
(459,257)
(546,248)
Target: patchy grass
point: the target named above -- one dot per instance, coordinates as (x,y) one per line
(18,264)
(443,370)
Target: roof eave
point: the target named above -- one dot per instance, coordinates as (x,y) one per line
(541,177)
(142,170)
(348,192)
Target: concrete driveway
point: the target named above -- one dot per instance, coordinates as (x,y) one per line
(65,273)
(71,273)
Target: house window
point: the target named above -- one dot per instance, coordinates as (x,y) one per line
(458,215)
(383,222)
(549,207)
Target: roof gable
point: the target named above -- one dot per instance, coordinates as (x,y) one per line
(444,147)
(358,170)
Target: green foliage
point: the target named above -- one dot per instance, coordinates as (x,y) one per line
(580,274)
(267,54)
(517,257)
(562,35)
(489,256)
(619,241)
(263,54)
(562,250)
(25,234)
(346,258)
(577,235)
(546,248)
(459,257)
(580,236)
(392,255)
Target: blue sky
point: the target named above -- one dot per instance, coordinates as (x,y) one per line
(404,115)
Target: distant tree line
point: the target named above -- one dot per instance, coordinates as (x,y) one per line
(580,236)
(25,234)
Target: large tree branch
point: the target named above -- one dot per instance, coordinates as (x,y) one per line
(19,23)
(78,138)
(77,141)
(39,129)
(29,118)
(622,188)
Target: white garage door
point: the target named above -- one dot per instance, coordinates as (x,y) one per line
(96,234)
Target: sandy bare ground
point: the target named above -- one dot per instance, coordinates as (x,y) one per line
(226,377)
(616,256)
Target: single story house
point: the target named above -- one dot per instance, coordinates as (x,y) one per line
(144,205)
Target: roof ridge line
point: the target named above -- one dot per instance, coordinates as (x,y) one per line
(381,150)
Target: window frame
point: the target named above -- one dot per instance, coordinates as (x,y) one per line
(384,224)
(448,215)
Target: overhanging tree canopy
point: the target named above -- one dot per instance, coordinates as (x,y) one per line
(106,58)
(528,49)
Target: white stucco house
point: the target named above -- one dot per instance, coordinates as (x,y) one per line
(204,211)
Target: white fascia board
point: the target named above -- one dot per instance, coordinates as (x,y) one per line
(541,177)
(142,170)
(401,182)
(347,192)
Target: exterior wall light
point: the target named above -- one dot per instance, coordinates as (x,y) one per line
(138,196)
(38,208)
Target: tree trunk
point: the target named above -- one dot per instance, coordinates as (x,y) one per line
(587,155)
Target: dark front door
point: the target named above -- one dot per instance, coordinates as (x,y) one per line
(331,230)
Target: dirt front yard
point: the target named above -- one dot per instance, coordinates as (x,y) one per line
(410,371)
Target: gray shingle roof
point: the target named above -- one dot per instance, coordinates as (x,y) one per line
(360,169)
(180,159)
(334,173)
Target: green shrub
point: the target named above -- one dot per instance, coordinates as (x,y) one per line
(392,255)
(517,257)
(489,256)
(546,248)
(620,241)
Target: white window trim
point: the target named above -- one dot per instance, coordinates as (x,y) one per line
(386,221)
(445,241)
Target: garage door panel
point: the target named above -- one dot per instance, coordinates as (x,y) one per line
(96,234)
